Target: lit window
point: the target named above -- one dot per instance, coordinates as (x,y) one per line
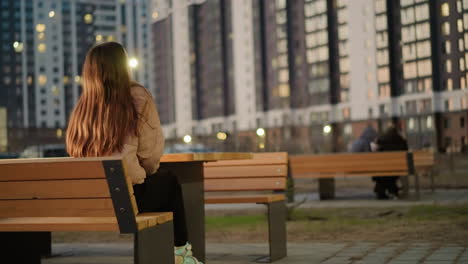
(460,25)
(448,66)
(462,83)
(155,15)
(346,113)
(98,37)
(110,38)
(40,27)
(18,46)
(42,79)
(88,18)
(283,90)
(447,47)
(411,124)
(41,48)
(66,79)
(446,28)
(55,90)
(30,80)
(283,76)
(449,84)
(445,9)
(40,36)
(51,14)
(77,79)
(461,45)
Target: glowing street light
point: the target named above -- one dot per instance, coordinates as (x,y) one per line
(327,129)
(187,139)
(133,63)
(260,132)
(221,135)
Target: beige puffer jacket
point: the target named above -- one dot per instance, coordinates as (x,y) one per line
(141,154)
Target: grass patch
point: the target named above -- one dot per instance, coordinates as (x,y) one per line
(216,222)
(445,223)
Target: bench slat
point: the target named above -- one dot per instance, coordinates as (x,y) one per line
(53,224)
(248,184)
(65,169)
(258,159)
(57,208)
(244,199)
(345,168)
(307,174)
(246,171)
(54,189)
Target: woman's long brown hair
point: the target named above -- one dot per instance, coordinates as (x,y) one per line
(104,115)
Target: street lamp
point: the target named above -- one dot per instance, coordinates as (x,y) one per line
(187,139)
(327,129)
(260,132)
(133,62)
(221,136)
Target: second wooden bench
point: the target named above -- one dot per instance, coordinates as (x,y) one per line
(265,172)
(344,165)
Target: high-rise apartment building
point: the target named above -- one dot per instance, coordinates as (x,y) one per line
(44,44)
(319,63)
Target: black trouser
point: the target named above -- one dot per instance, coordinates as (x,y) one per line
(384,184)
(161,192)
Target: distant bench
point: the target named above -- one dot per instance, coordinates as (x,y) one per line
(264,172)
(39,196)
(345,165)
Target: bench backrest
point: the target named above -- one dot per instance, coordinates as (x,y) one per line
(348,164)
(67,187)
(264,172)
(423,160)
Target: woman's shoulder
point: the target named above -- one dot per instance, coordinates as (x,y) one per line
(140,96)
(137,90)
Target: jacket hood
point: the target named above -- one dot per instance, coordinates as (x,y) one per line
(369,134)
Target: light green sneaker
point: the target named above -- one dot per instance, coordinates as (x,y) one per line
(184,255)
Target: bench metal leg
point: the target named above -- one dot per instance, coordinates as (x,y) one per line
(45,243)
(20,247)
(405,187)
(154,245)
(326,188)
(276,232)
(191,179)
(416,186)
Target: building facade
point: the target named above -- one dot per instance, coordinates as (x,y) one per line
(314,73)
(44,44)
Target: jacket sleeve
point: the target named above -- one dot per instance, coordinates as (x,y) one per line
(150,137)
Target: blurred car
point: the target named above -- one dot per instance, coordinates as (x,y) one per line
(187,148)
(44,151)
(9,155)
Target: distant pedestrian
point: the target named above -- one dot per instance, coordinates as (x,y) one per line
(364,142)
(391,140)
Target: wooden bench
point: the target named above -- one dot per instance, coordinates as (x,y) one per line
(424,163)
(265,172)
(39,196)
(327,167)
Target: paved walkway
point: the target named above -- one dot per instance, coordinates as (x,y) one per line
(304,253)
(307,253)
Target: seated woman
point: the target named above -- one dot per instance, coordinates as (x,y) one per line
(116,116)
